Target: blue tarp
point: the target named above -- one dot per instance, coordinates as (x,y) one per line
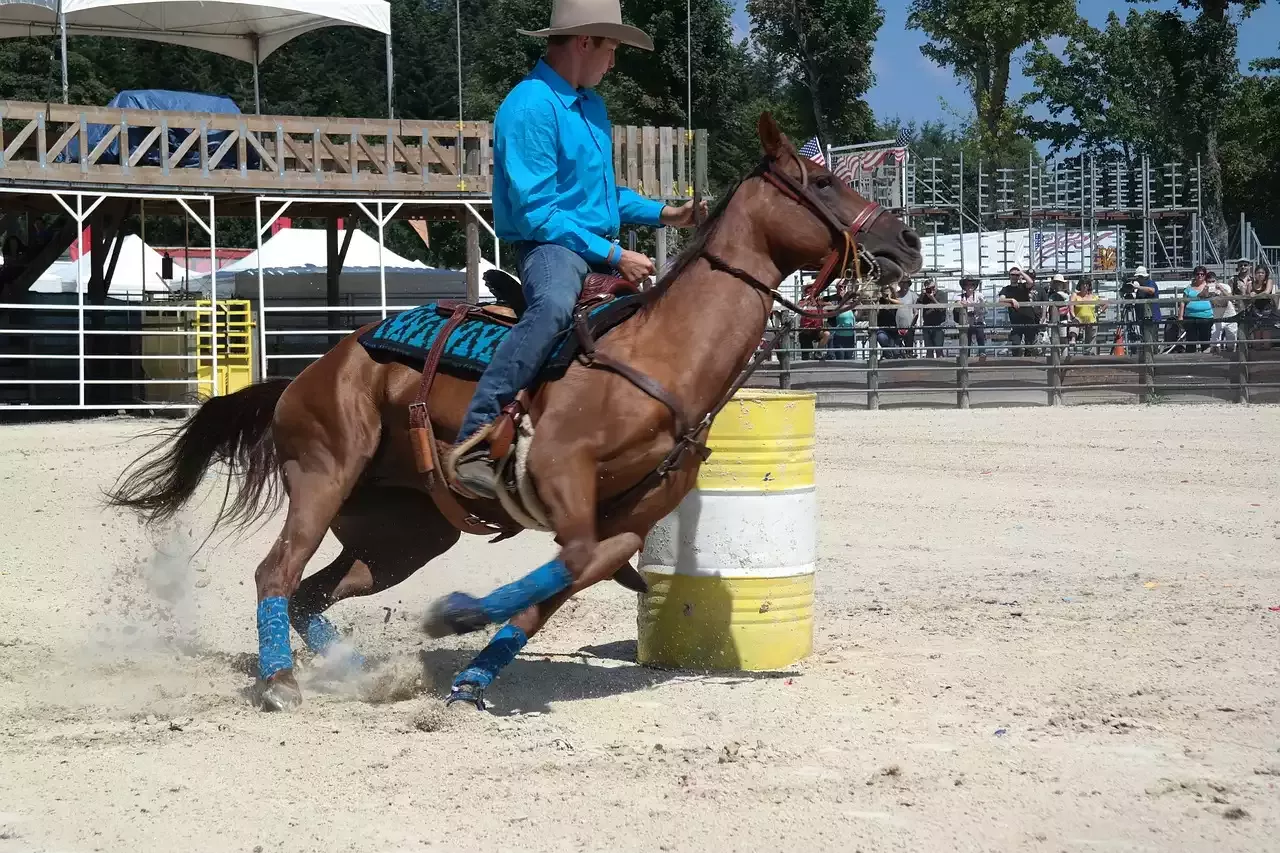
(160,99)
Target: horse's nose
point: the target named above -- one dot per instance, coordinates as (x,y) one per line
(910,239)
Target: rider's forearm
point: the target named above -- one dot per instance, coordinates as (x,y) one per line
(635,209)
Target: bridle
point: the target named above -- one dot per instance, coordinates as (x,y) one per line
(848,257)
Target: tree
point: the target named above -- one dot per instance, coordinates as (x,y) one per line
(1159,83)
(1202,51)
(825,47)
(1109,91)
(977,40)
(1250,149)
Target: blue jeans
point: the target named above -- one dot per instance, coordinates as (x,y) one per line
(551,278)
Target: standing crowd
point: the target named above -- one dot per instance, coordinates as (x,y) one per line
(908,324)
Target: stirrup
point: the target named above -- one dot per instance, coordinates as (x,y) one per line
(455,454)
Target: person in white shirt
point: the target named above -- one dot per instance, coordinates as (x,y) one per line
(1224,335)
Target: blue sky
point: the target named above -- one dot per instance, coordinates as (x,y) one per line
(913,88)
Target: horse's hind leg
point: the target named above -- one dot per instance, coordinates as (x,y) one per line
(387,534)
(319,475)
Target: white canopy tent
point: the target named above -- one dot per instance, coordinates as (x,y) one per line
(137,271)
(249,31)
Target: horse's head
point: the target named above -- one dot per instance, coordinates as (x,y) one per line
(813,218)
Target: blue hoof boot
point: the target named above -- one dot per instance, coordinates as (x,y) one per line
(469,694)
(456,613)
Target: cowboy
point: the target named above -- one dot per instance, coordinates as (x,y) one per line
(555,197)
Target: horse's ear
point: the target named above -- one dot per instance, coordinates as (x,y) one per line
(775,142)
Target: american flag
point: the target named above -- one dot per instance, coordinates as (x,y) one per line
(848,166)
(813,151)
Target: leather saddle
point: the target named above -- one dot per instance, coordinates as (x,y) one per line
(604,302)
(511,305)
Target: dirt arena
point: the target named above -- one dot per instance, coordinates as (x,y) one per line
(1045,630)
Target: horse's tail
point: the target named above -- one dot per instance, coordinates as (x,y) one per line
(234,430)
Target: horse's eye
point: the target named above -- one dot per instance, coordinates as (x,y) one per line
(822,182)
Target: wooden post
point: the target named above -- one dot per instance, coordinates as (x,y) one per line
(660,236)
(1055,362)
(700,162)
(962,366)
(666,171)
(633,157)
(473,259)
(332,273)
(1242,367)
(1147,358)
(649,185)
(785,329)
(682,163)
(873,373)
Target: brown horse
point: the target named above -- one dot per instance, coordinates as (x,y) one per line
(337,437)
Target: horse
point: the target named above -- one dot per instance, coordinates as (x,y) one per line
(608,456)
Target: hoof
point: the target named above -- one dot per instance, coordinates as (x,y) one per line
(456,613)
(281,694)
(466,695)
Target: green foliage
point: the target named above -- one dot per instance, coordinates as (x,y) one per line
(977,40)
(824,47)
(1165,84)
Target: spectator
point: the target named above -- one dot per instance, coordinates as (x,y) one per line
(1243,281)
(1223,337)
(887,334)
(1196,313)
(843,336)
(1263,287)
(975,316)
(1024,319)
(1084,307)
(810,329)
(907,315)
(1149,314)
(932,320)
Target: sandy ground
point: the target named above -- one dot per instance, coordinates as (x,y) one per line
(1042,630)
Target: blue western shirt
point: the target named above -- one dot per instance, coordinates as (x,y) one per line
(553,178)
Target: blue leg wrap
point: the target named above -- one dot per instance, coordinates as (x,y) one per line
(534,588)
(274,653)
(322,636)
(502,649)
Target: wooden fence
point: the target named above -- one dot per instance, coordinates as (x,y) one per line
(1137,369)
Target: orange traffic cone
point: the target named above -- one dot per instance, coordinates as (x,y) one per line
(1118,349)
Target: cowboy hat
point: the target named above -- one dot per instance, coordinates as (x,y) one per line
(601,18)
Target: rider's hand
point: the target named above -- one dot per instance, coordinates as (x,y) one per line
(635,267)
(681,216)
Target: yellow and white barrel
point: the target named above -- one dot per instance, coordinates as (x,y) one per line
(731,571)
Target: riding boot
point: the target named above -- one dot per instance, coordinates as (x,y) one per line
(476,474)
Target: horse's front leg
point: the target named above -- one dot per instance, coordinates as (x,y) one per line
(470,684)
(569,492)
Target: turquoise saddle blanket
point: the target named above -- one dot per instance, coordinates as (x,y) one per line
(471,346)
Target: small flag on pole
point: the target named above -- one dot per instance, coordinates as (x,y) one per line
(813,151)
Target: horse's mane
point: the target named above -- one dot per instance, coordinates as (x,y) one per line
(693,250)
